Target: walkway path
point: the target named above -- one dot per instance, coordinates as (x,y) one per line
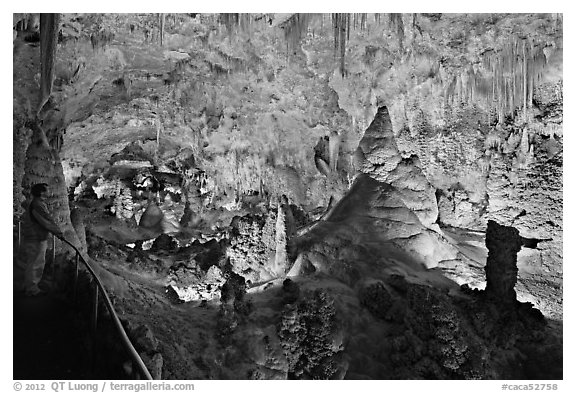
(46,343)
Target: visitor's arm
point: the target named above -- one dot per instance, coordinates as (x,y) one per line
(44,218)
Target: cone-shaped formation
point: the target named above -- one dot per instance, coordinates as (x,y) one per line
(152,217)
(369,231)
(43,165)
(378,156)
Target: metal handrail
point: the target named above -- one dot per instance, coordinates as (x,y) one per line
(123,336)
(135,357)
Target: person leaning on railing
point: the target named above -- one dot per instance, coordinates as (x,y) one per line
(36,224)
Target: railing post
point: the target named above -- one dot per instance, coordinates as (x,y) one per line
(95,310)
(94,326)
(19,235)
(53,259)
(53,252)
(76,277)
(135,357)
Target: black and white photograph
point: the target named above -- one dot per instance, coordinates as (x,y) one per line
(287,196)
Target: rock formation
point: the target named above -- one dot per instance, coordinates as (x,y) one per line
(378,156)
(281,256)
(501,271)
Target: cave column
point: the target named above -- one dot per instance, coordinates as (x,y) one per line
(503,244)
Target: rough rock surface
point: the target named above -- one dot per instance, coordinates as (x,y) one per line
(252,248)
(192,284)
(370,309)
(379,221)
(378,156)
(312,339)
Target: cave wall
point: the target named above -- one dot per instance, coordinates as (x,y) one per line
(252,118)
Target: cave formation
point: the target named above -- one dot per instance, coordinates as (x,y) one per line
(305,196)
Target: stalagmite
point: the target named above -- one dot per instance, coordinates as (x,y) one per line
(77,220)
(503,244)
(43,165)
(334,147)
(123,204)
(281,257)
(378,156)
(524,143)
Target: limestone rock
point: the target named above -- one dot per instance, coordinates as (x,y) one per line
(152,217)
(281,257)
(503,244)
(104,188)
(309,337)
(77,219)
(302,266)
(132,152)
(377,299)
(123,204)
(252,247)
(154,364)
(144,339)
(164,243)
(291,291)
(378,156)
(191,284)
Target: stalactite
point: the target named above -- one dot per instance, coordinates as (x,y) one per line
(513,72)
(531,76)
(348,27)
(500,90)
(510,97)
(473,87)
(525,79)
(295,28)
(339,23)
(336,35)
(342,45)
(49,28)
(397,23)
(161,22)
(450,91)
(493,85)
(505,80)
(230,21)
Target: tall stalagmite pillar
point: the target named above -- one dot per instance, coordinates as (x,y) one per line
(501,271)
